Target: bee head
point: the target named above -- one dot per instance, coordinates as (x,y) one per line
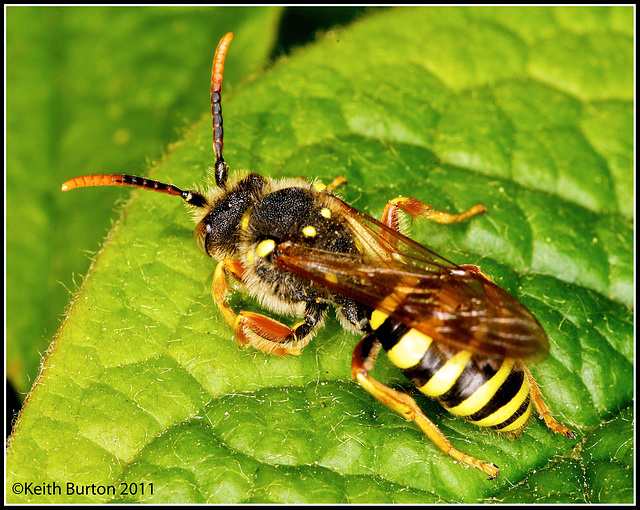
(218,232)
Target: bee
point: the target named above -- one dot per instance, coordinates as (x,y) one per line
(299,249)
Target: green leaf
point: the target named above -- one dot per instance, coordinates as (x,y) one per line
(144,384)
(95,90)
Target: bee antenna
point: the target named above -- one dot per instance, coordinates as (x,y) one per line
(191,197)
(217,69)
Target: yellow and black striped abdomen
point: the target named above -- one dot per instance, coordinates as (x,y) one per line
(489,392)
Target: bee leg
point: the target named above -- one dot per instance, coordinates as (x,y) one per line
(364,357)
(476,270)
(415,208)
(338,181)
(270,336)
(221,287)
(260,331)
(542,408)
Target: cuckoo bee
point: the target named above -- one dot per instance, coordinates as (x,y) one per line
(298,249)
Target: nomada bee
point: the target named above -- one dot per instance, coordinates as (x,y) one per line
(298,249)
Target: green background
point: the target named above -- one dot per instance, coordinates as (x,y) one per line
(526,110)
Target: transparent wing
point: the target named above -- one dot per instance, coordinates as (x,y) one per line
(452,304)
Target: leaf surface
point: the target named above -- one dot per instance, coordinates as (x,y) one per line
(451,106)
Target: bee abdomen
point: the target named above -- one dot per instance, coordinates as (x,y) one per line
(489,392)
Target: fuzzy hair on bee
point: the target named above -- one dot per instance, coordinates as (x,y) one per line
(244,222)
(298,249)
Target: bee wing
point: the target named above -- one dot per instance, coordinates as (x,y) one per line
(412,284)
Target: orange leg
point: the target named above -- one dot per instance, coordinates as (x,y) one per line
(221,287)
(338,181)
(260,331)
(476,270)
(363,360)
(415,208)
(542,408)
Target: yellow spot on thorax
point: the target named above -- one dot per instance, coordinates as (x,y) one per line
(265,247)
(309,231)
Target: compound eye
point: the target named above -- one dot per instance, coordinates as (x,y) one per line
(200,236)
